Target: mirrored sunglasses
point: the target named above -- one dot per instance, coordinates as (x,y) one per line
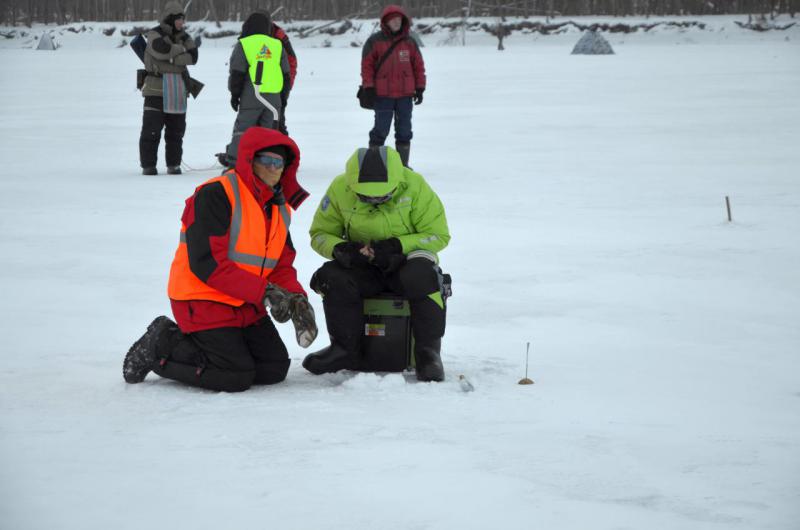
(270,161)
(375,200)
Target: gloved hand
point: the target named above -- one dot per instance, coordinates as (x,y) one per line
(279,302)
(388,254)
(348,254)
(235,103)
(418,96)
(305,325)
(368,97)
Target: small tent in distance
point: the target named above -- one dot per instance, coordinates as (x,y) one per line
(592,43)
(46,42)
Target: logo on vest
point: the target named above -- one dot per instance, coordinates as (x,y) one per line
(264,53)
(404,56)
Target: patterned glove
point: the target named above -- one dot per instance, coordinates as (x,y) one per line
(278,300)
(305,325)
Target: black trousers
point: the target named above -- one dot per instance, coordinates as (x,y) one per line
(226,359)
(153,120)
(343,291)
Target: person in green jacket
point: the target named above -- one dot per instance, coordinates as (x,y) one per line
(381,225)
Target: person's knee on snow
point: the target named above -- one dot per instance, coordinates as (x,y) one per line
(271,372)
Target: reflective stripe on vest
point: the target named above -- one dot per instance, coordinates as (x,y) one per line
(263,56)
(244,235)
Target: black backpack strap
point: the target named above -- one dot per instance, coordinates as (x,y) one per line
(386,55)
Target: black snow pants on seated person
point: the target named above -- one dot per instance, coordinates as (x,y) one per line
(226,359)
(343,292)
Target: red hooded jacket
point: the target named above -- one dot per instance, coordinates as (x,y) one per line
(404,70)
(207,217)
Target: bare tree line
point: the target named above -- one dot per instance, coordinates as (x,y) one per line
(26,12)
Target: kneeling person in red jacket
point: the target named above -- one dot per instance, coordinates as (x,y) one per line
(234,261)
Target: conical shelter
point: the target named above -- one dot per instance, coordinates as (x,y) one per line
(592,43)
(46,42)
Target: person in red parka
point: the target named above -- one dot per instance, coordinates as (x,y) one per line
(392,75)
(234,260)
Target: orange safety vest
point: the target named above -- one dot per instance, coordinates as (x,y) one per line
(249,246)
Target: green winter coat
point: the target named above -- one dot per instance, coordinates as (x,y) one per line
(414,215)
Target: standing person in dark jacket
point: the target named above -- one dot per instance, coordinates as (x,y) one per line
(235,258)
(259,80)
(169,50)
(392,85)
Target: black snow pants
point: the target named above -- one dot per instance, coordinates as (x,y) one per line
(226,359)
(343,291)
(153,120)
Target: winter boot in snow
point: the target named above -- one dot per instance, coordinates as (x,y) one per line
(429,361)
(404,148)
(174,170)
(140,358)
(149,171)
(330,359)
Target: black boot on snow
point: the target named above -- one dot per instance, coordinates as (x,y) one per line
(149,171)
(174,170)
(330,359)
(405,151)
(429,361)
(140,358)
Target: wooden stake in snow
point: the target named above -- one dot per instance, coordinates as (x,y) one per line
(525,380)
(728,205)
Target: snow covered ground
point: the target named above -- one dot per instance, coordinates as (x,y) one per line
(586,199)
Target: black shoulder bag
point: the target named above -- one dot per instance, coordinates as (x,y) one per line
(368,103)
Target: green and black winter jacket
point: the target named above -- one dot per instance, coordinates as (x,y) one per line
(414,215)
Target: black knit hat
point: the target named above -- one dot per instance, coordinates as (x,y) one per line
(258,23)
(277,149)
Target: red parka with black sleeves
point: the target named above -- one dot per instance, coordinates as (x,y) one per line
(404,70)
(207,217)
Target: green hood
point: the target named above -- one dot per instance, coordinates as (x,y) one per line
(365,177)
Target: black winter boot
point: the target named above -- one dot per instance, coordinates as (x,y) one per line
(174,170)
(330,359)
(149,171)
(429,361)
(140,358)
(405,151)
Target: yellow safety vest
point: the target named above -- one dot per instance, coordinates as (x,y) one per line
(263,54)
